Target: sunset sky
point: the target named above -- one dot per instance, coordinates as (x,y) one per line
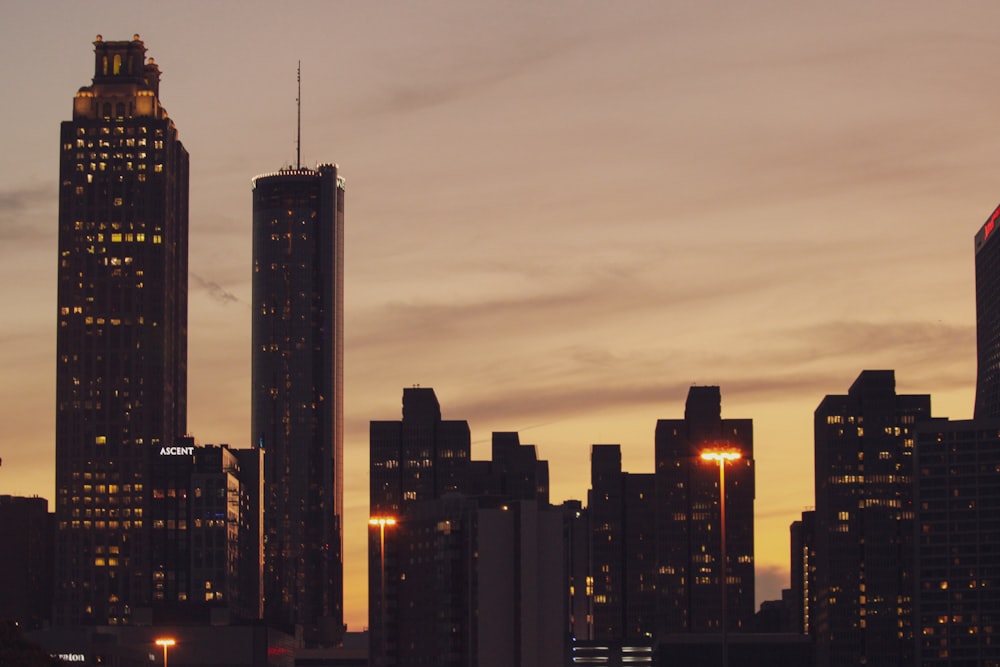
(560,215)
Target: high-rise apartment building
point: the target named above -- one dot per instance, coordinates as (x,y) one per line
(468,564)
(689,521)
(957,515)
(622,512)
(121,342)
(988,318)
(863,529)
(418,458)
(802,536)
(297,395)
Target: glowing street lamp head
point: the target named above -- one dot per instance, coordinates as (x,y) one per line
(721,456)
(166,641)
(382,521)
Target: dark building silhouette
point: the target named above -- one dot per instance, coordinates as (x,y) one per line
(957,569)
(988,319)
(205,513)
(688,526)
(803,572)
(864,523)
(473,567)
(121,342)
(297,395)
(624,566)
(579,592)
(26,534)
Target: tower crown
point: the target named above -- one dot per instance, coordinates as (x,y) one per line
(125,84)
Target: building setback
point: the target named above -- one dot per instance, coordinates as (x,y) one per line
(297,394)
(864,443)
(957,515)
(121,341)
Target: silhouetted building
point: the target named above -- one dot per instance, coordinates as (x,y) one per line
(26,534)
(579,591)
(988,319)
(624,567)
(803,572)
(688,530)
(297,395)
(469,563)
(205,513)
(121,342)
(957,570)
(478,581)
(864,523)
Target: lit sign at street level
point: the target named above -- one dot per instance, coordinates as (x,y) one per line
(71,657)
(176,451)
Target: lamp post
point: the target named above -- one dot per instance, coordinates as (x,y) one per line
(382,522)
(722,456)
(165,642)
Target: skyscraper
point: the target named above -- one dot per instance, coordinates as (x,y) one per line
(297,395)
(121,342)
(864,444)
(622,547)
(988,319)
(688,519)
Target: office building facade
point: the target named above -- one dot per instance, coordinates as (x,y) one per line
(205,514)
(689,522)
(864,443)
(297,394)
(121,342)
(957,516)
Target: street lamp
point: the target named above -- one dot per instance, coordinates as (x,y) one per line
(382,522)
(722,456)
(165,642)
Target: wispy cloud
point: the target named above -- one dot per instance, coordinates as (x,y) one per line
(215,290)
(14,202)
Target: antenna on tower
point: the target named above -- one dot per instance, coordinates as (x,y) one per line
(298,132)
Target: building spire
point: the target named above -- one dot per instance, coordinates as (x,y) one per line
(298,133)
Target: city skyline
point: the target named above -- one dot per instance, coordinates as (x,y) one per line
(560,220)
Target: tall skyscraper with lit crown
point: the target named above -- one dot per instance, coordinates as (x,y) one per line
(297,395)
(121,378)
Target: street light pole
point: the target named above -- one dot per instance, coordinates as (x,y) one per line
(165,642)
(721,457)
(382,522)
